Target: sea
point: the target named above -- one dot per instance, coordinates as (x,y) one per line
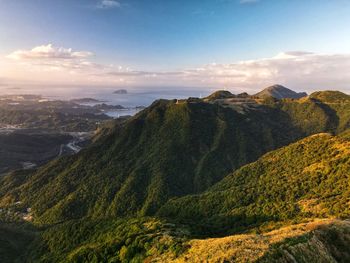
(133,101)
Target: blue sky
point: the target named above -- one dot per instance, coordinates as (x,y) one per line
(157,36)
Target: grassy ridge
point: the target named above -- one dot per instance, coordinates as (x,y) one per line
(154,240)
(303,180)
(327,243)
(306,242)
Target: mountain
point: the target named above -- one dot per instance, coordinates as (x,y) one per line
(171,149)
(306,179)
(280,92)
(313,241)
(266,212)
(154,240)
(243,172)
(220,94)
(335,103)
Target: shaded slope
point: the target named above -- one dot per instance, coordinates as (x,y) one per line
(305,179)
(323,111)
(337,103)
(17,148)
(14,240)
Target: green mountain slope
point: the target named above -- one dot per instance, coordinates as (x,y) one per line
(167,150)
(170,149)
(170,161)
(117,240)
(336,103)
(293,184)
(258,202)
(154,240)
(303,180)
(311,242)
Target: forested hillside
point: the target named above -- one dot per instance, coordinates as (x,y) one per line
(173,148)
(306,179)
(200,168)
(269,206)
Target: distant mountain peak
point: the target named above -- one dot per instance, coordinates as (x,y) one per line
(220,94)
(280,92)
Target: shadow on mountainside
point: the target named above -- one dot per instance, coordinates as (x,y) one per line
(332,122)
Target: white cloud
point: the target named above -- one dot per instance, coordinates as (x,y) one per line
(107,4)
(51,58)
(303,70)
(48,52)
(299,70)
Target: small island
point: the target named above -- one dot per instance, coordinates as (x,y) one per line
(120,91)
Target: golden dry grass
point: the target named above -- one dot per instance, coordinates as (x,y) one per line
(241,248)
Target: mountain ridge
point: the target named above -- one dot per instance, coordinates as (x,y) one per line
(181,170)
(294,182)
(280,92)
(168,150)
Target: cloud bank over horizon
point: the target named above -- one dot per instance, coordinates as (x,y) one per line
(299,70)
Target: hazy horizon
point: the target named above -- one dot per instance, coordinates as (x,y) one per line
(139,96)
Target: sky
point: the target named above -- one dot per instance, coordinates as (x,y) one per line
(242,45)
